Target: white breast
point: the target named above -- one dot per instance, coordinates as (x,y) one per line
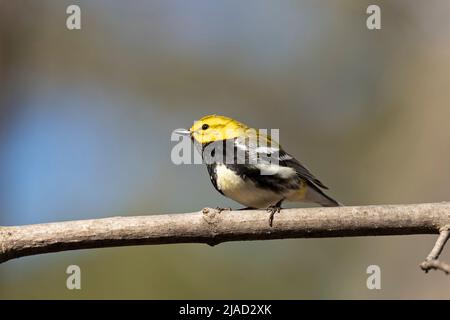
(244,191)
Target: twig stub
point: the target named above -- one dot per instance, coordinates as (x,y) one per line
(431,261)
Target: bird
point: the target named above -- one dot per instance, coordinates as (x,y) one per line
(249,167)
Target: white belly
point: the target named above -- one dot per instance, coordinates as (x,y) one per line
(244,191)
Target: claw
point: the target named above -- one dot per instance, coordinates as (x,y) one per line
(272,210)
(222,209)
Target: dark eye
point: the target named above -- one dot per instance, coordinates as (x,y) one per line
(205,126)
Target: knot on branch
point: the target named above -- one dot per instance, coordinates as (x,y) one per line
(213,218)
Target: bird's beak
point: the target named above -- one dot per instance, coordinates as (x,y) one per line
(183,132)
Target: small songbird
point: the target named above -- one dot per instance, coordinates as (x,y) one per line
(252,169)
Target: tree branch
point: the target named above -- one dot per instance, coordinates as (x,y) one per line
(213,227)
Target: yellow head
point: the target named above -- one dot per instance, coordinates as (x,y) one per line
(213,128)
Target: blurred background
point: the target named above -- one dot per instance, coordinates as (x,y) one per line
(86,118)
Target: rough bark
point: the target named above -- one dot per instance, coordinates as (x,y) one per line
(212,226)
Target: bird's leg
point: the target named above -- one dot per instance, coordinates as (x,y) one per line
(274,209)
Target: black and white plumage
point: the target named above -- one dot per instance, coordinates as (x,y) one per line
(273,177)
(255,174)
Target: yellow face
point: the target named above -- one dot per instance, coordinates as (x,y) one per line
(213,128)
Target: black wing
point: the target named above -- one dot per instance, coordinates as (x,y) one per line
(265,154)
(287,160)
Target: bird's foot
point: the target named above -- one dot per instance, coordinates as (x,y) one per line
(272,210)
(223,209)
(247,208)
